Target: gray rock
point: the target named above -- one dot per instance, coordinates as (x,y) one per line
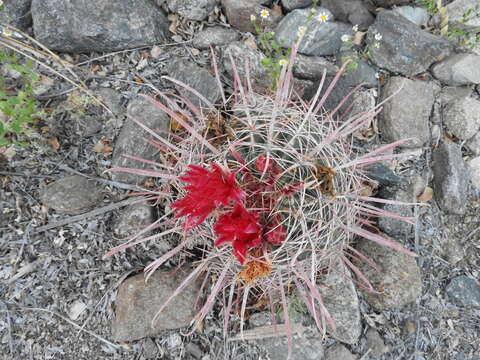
(353,11)
(364,100)
(89,125)
(91,25)
(290,5)
(459,69)
(341,300)
(394,227)
(302,87)
(416,15)
(312,67)
(131,140)
(450,93)
(192,9)
(404,48)
(464,291)
(303,348)
(194,76)
(320,38)
(362,73)
(389,3)
(138,302)
(450,178)
(346,83)
(398,281)
(461,117)
(382,173)
(194,350)
(71,195)
(150,349)
(339,352)
(406,115)
(16,13)
(375,344)
(474,168)
(134,218)
(214,36)
(243,55)
(338,94)
(263,318)
(239,12)
(113,99)
(456,9)
(474,144)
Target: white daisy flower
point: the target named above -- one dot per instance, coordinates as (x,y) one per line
(282,62)
(378,37)
(264,14)
(301,30)
(323,17)
(6,32)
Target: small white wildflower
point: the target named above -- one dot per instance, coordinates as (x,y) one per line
(301,30)
(345,38)
(378,37)
(264,14)
(6,32)
(377,75)
(323,17)
(376,45)
(355,28)
(282,62)
(253,18)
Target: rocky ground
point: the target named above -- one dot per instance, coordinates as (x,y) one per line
(60,213)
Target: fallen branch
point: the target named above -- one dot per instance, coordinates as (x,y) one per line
(267,331)
(92,213)
(115,346)
(27,269)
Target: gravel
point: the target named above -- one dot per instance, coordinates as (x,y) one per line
(58,293)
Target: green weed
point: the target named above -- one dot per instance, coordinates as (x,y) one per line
(19,106)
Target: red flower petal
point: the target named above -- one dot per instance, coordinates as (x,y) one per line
(241,228)
(206,191)
(265,164)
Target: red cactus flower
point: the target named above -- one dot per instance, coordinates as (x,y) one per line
(264,164)
(276,232)
(207,190)
(241,228)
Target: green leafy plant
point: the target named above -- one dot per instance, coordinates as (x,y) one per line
(353,56)
(464,37)
(456,33)
(429,5)
(275,55)
(18,107)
